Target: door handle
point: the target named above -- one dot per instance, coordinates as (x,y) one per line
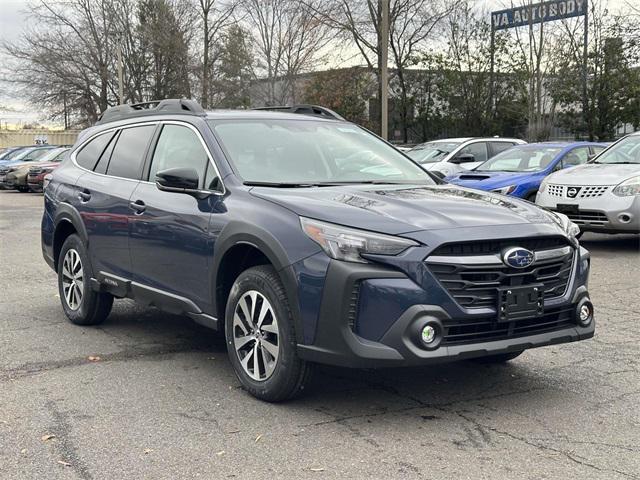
(138,206)
(84,195)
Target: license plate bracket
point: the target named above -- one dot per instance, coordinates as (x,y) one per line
(516,303)
(567,208)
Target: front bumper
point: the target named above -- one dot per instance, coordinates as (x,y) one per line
(371,315)
(607,213)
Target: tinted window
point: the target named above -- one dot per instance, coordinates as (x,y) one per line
(90,153)
(432,152)
(178,147)
(499,147)
(101,166)
(478,150)
(577,156)
(128,153)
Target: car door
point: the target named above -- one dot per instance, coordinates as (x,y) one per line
(171,249)
(114,161)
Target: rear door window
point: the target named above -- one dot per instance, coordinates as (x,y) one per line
(129,152)
(499,147)
(88,156)
(577,156)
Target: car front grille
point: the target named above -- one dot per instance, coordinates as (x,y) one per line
(488,329)
(4,170)
(584,191)
(473,279)
(35,171)
(591,217)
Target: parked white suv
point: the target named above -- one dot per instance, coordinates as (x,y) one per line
(453,155)
(600,196)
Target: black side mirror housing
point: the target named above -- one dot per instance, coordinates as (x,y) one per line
(464,158)
(179,180)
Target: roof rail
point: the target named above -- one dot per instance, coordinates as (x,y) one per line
(305,109)
(155,107)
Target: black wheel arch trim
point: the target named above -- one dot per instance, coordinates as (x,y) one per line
(239,233)
(66,212)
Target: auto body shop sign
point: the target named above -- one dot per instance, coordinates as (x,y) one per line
(538,13)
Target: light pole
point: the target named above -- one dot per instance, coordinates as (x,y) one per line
(120,85)
(384,74)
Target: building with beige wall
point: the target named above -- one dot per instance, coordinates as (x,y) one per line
(39,136)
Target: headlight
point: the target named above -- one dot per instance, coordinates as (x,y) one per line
(629,187)
(343,243)
(543,186)
(505,190)
(571,229)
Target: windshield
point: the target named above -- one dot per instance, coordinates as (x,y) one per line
(626,151)
(433,151)
(312,152)
(521,159)
(36,154)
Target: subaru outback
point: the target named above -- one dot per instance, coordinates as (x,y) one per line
(305,239)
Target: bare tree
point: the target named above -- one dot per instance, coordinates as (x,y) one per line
(215,18)
(287,40)
(411,23)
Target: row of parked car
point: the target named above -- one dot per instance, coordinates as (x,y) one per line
(595,184)
(24,168)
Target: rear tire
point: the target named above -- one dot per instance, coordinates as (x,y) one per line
(499,358)
(261,338)
(80,303)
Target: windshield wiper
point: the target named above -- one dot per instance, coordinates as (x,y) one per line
(281,184)
(616,163)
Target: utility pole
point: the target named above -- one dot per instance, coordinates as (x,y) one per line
(384,74)
(66,115)
(120,83)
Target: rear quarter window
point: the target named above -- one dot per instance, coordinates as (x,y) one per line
(88,156)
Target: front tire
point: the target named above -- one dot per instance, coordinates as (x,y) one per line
(261,339)
(80,303)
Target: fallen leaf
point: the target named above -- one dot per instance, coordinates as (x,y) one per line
(221,452)
(319,469)
(62,462)
(47,437)
(233,431)
(258,438)
(94,359)
(147,450)
(23,451)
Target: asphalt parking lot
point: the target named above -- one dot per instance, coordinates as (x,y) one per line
(152,395)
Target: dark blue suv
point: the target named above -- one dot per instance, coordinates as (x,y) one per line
(306,239)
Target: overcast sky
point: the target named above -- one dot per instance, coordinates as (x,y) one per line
(13,21)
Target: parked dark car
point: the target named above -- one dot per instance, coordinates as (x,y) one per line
(252,223)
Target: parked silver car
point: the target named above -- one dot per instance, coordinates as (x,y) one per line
(455,155)
(603,195)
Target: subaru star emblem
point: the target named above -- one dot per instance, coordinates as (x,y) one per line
(573,192)
(518,257)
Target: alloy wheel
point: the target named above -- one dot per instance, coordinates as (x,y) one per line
(72,279)
(255,335)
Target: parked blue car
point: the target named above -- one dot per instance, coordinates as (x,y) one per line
(520,170)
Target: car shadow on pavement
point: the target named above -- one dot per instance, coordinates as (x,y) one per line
(335,391)
(610,243)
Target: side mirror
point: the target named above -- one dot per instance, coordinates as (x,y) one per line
(179,180)
(464,158)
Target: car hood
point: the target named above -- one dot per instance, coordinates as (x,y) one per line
(403,209)
(487,180)
(594,174)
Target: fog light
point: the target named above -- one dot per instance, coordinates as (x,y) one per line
(585,313)
(428,334)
